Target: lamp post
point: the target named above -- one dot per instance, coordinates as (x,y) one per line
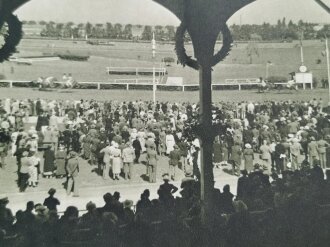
(153,47)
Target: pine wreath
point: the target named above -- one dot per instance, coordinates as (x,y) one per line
(12,38)
(184,59)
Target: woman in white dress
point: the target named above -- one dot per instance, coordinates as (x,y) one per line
(170,142)
(116,162)
(33,168)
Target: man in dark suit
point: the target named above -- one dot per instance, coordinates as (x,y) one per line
(175,157)
(137,149)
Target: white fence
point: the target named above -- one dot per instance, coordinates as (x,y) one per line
(147,84)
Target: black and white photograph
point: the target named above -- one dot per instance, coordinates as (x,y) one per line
(164,123)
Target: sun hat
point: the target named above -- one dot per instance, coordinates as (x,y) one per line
(128,203)
(247,145)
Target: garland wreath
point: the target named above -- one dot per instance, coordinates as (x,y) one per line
(12,38)
(184,59)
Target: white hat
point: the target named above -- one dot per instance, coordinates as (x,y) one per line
(247,145)
(196,143)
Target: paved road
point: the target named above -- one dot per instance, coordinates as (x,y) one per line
(93,187)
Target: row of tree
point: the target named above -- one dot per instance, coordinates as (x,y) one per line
(267,32)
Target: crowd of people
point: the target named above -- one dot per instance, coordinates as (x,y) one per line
(112,136)
(286,140)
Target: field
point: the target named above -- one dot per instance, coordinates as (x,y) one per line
(285,58)
(121,95)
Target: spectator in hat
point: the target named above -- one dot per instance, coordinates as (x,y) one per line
(321,149)
(6,216)
(4,144)
(73,174)
(236,157)
(51,202)
(60,159)
(24,172)
(295,149)
(265,153)
(166,190)
(227,200)
(152,160)
(116,161)
(90,219)
(137,149)
(312,151)
(128,214)
(243,189)
(107,152)
(49,161)
(169,142)
(34,168)
(174,159)
(144,204)
(248,155)
(128,159)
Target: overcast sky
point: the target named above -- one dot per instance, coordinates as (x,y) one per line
(147,12)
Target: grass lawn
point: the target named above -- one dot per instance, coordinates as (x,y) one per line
(122,95)
(285,58)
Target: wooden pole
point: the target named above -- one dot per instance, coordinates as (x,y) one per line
(206,139)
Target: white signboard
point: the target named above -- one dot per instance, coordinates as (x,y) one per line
(304,78)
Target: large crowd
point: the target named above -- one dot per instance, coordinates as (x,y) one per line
(290,139)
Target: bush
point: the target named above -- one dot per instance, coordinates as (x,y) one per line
(72,57)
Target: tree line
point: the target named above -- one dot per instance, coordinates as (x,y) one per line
(281,31)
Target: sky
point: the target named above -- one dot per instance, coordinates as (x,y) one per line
(146,12)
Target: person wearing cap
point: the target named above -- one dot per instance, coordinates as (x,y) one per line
(6,216)
(73,174)
(152,160)
(174,160)
(128,159)
(248,156)
(312,151)
(51,202)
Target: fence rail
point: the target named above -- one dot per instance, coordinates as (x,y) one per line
(147,84)
(135,71)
